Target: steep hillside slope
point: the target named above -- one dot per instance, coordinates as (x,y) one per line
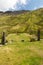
(22,21)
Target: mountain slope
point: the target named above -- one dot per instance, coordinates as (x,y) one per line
(22,21)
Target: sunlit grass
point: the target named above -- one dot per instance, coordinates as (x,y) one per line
(22,53)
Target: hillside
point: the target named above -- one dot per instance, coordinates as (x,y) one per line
(21,22)
(20,28)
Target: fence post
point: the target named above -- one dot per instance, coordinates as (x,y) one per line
(38,35)
(3,38)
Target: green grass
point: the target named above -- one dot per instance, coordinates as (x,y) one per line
(16,52)
(22,53)
(28,21)
(18,37)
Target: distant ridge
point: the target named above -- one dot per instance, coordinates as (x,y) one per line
(15,12)
(19,11)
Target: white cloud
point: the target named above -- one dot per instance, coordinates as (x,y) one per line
(23,1)
(17,4)
(6,4)
(41,6)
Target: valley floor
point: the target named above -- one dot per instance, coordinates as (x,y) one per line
(22,53)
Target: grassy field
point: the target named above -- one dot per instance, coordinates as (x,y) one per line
(22,53)
(19,27)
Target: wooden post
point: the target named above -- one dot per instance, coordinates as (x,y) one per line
(3,38)
(38,35)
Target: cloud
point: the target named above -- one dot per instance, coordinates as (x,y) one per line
(28,4)
(20,4)
(6,4)
(37,7)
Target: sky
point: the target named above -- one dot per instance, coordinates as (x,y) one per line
(20,4)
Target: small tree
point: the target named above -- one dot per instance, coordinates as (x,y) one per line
(3,38)
(38,35)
